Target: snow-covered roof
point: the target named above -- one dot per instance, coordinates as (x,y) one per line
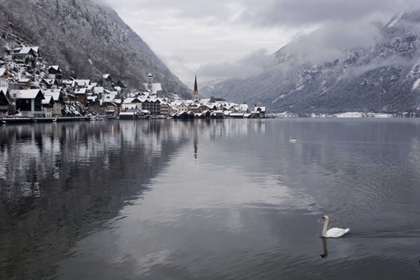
(56,67)
(81,82)
(49,81)
(109,96)
(105,76)
(205,100)
(47,99)
(243,107)
(153,100)
(55,93)
(23,81)
(25,94)
(128,100)
(2,71)
(262,109)
(81,91)
(25,50)
(98,89)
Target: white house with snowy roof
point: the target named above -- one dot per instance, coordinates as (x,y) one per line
(154,88)
(81,83)
(259,110)
(4,75)
(28,102)
(244,108)
(57,95)
(54,72)
(4,102)
(48,106)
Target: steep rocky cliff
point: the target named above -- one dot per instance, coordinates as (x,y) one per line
(85,39)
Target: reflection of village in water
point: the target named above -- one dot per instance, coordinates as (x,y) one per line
(66,179)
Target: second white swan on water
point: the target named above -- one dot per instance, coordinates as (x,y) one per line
(292,140)
(332,232)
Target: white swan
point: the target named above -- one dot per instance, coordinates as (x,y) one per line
(292,140)
(332,232)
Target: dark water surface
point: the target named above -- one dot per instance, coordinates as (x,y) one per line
(225,199)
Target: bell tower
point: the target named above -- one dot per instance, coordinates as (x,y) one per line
(150,82)
(196,96)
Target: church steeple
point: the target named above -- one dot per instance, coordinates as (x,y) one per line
(195,83)
(196,96)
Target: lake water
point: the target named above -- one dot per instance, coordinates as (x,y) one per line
(229,199)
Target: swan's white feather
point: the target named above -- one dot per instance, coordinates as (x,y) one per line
(336,232)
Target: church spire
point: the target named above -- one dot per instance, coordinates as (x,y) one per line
(196,96)
(195,84)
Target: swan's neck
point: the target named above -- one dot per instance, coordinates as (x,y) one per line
(324,230)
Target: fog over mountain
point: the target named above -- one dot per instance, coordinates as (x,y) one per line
(345,66)
(85,39)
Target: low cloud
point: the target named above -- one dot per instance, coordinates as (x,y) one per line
(329,42)
(309,12)
(190,34)
(251,65)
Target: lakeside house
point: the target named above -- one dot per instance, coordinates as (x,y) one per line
(54,72)
(47,106)
(4,75)
(28,102)
(57,95)
(4,102)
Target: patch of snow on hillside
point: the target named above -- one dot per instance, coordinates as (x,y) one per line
(277,99)
(416,84)
(391,24)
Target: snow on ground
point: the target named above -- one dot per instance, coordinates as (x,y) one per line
(416,84)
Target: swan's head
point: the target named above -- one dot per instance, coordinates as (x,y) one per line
(325,218)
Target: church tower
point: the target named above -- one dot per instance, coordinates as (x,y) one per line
(196,96)
(150,83)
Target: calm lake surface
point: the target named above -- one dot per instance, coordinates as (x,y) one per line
(228,199)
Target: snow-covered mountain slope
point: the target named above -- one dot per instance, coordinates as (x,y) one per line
(85,39)
(384,77)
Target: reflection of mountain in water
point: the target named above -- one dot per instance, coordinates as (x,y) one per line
(59,183)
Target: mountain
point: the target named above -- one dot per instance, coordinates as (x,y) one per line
(86,40)
(384,77)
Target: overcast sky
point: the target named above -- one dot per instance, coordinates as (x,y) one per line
(218,39)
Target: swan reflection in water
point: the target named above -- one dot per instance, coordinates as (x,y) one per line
(324,246)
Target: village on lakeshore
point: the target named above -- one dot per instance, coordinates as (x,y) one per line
(31,90)
(34,91)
